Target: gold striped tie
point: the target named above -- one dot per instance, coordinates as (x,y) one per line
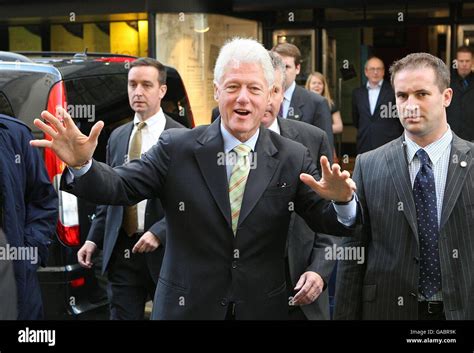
(238,179)
(130,216)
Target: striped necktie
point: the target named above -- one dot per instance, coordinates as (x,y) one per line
(238,179)
(130,216)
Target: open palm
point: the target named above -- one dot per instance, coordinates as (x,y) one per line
(334,184)
(67,141)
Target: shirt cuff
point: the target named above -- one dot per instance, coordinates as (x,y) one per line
(77,173)
(347,214)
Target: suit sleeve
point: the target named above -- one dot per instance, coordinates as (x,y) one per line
(97,229)
(355,110)
(41,203)
(350,274)
(125,185)
(159,230)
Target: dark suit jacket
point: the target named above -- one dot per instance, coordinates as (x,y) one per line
(461,110)
(311,108)
(205,266)
(385,286)
(8,301)
(306,249)
(106,225)
(375,130)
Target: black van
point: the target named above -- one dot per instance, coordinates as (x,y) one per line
(91,87)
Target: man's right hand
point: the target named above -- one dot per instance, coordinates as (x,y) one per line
(85,253)
(67,141)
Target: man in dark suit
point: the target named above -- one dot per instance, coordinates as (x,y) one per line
(132,258)
(305,251)
(228,191)
(299,103)
(461,110)
(374,109)
(417,196)
(28,213)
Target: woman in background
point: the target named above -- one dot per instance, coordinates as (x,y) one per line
(317,83)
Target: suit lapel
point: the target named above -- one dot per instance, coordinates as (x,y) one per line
(398,169)
(295,111)
(214,173)
(122,148)
(456,176)
(260,176)
(384,91)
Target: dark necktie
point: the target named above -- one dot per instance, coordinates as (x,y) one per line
(130,216)
(424,193)
(465,83)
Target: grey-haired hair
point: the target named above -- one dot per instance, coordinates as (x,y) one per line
(243,50)
(278,64)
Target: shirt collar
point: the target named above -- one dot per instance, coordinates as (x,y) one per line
(154,119)
(434,149)
(230,141)
(289,91)
(275,127)
(379,85)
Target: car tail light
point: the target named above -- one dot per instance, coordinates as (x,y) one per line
(68,223)
(115,59)
(78,282)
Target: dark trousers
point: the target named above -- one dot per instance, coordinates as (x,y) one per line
(130,283)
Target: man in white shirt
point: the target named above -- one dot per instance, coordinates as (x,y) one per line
(374,110)
(299,103)
(130,236)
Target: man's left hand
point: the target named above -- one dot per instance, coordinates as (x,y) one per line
(334,184)
(148,242)
(310,286)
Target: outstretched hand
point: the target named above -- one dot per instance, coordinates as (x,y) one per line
(67,141)
(334,184)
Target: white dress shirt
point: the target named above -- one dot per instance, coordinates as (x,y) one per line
(374,92)
(151,132)
(287,99)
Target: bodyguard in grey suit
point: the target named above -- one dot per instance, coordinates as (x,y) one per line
(132,258)
(299,103)
(419,261)
(305,250)
(227,221)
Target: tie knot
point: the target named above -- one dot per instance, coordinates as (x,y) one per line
(242,150)
(423,156)
(141,125)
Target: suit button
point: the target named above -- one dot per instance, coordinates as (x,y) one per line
(416,259)
(224,302)
(234,264)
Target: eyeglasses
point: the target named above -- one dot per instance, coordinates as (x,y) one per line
(373,69)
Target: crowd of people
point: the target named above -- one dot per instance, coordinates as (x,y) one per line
(257,236)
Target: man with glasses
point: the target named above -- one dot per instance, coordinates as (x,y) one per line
(373,109)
